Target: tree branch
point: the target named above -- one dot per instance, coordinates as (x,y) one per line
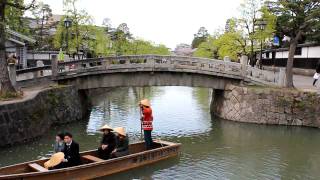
(19,6)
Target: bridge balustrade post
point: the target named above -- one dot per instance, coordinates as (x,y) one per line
(127,60)
(54,65)
(244,64)
(282,77)
(105,63)
(40,64)
(13,74)
(150,60)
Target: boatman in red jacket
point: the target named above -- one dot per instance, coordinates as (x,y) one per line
(146,120)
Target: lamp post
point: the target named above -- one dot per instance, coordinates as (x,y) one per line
(67,25)
(262,25)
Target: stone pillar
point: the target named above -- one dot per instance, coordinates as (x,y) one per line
(13,74)
(244,64)
(40,64)
(54,65)
(282,77)
(150,60)
(106,63)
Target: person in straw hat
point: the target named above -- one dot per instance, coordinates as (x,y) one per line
(108,142)
(122,148)
(55,161)
(146,120)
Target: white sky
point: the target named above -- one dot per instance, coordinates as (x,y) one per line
(169,22)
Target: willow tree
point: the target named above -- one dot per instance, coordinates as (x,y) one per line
(5,83)
(296,19)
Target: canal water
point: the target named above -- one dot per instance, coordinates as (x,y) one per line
(211,148)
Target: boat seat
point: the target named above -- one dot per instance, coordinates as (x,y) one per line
(92,158)
(37,167)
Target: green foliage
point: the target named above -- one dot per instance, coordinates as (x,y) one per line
(200,37)
(91,39)
(207,49)
(14,18)
(294,17)
(139,46)
(6,96)
(41,13)
(231,43)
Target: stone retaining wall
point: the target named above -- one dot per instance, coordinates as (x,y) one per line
(263,105)
(25,120)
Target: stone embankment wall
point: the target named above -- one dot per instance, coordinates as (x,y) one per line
(25,120)
(262,105)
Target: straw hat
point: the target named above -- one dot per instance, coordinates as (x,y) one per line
(55,159)
(105,127)
(120,130)
(145,102)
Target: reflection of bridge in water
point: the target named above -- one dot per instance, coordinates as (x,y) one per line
(149,70)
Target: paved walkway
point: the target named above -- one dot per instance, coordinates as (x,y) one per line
(28,93)
(305,83)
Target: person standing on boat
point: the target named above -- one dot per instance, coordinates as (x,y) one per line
(59,144)
(71,151)
(146,120)
(108,142)
(122,148)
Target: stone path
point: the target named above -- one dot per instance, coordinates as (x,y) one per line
(305,83)
(28,93)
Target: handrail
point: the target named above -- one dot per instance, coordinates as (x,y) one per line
(151,62)
(33,69)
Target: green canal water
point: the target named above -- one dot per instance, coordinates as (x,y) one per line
(211,148)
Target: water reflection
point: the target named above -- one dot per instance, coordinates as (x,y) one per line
(212,148)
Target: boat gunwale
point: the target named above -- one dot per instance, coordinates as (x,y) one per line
(169,145)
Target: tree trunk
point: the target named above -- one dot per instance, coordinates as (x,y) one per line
(292,50)
(252,58)
(5,83)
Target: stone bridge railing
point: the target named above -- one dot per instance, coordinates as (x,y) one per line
(137,63)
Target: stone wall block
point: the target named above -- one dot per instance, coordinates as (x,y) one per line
(270,106)
(24,121)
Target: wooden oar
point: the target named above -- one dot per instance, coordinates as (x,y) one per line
(140,123)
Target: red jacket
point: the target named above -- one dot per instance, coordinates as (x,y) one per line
(147,118)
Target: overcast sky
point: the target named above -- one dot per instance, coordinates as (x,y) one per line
(169,22)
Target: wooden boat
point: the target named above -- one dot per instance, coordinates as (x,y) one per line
(92,166)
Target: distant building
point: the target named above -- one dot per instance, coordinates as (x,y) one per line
(18,44)
(183,50)
(49,27)
(306,56)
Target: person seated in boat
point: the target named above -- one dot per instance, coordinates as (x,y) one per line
(59,143)
(108,142)
(71,151)
(146,120)
(122,147)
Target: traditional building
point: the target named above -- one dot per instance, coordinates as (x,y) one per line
(18,44)
(306,56)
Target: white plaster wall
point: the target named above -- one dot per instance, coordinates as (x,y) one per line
(307,52)
(314,52)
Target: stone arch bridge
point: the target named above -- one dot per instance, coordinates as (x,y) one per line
(147,70)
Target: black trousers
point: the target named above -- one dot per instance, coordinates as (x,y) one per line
(104,154)
(148,139)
